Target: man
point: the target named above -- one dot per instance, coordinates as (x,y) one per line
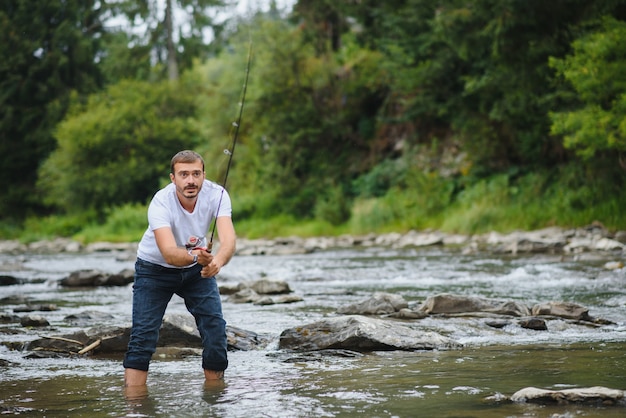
(171,260)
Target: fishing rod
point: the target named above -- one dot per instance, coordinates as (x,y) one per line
(230,152)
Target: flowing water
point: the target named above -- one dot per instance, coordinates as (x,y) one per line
(493,363)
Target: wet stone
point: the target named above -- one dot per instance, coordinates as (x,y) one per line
(8,280)
(33,308)
(88,317)
(34,321)
(596,396)
(8,318)
(536,324)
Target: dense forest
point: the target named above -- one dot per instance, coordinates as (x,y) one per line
(360,116)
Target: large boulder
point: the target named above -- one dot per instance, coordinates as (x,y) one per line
(361,333)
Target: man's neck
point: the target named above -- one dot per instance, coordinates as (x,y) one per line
(188,203)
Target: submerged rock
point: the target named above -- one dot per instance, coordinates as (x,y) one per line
(32,308)
(88,317)
(275,300)
(597,395)
(8,280)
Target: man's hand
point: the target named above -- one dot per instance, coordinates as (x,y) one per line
(205,258)
(210,270)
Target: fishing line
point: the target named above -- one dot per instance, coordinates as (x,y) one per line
(234,135)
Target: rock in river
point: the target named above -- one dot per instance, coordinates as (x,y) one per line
(380,304)
(597,395)
(445,303)
(361,334)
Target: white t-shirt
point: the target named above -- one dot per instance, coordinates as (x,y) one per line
(189,229)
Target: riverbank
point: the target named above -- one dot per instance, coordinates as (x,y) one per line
(553,240)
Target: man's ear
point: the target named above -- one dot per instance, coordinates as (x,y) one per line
(172,177)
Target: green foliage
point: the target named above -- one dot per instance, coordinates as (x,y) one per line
(333,207)
(418,202)
(217,110)
(477,73)
(324,136)
(480,207)
(284,226)
(282,144)
(382,177)
(149,37)
(49,227)
(47,50)
(597,71)
(114,149)
(122,62)
(567,196)
(126,223)
(11,230)
(362,116)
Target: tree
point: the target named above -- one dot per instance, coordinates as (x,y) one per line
(474,74)
(115,149)
(323,23)
(313,116)
(120,62)
(47,50)
(174,44)
(597,72)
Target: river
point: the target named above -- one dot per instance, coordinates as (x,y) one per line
(493,362)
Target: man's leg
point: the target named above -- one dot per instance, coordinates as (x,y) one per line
(213,375)
(134,377)
(152,291)
(202,299)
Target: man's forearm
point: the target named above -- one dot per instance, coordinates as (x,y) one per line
(225,252)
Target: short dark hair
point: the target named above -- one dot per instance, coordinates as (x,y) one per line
(186,157)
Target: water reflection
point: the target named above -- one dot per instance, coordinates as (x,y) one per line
(214,390)
(138,402)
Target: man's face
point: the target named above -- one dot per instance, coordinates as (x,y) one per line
(188,178)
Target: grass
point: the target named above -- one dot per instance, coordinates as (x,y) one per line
(499,203)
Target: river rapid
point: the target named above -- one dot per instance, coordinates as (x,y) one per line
(493,363)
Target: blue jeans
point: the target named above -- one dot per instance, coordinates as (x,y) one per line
(153,288)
